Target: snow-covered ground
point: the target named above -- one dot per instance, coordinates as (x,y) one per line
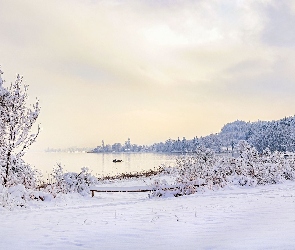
(234,218)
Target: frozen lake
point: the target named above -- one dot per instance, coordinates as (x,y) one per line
(100,164)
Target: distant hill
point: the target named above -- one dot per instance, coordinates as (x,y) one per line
(276,135)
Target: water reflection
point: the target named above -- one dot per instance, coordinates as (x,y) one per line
(99,164)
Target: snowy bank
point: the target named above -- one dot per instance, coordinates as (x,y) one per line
(231,218)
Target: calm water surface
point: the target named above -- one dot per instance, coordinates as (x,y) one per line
(99,164)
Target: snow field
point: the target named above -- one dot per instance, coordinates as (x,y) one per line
(233,218)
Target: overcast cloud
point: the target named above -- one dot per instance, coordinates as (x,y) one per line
(149,70)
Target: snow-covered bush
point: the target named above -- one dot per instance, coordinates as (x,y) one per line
(71,182)
(196,171)
(19,195)
(205,170)
(192,172)
(161,188)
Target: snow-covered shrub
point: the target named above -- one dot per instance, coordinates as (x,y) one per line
(21,173)
(71,182)
(19,195)
(196,171)
(265,167)
(192,173)
(205,170)
(163,189)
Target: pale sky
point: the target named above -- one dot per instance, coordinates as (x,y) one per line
(149,70)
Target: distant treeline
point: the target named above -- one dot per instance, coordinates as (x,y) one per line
(68,150)
(276,135)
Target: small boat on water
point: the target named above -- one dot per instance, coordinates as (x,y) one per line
(115,160)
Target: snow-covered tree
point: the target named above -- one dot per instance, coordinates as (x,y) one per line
(16,122)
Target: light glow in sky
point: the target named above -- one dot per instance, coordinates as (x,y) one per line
(149,70)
